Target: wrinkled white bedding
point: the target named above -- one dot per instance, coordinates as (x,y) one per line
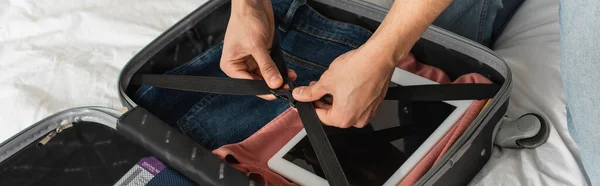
(530,46)
(61,54)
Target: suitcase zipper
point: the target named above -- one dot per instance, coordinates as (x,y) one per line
(53,133)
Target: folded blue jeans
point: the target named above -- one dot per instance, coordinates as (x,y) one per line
(310,42)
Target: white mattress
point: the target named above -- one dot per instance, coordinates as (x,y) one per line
(60,54)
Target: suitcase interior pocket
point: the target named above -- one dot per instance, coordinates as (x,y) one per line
(86,153)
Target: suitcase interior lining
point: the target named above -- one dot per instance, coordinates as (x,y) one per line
(85,154)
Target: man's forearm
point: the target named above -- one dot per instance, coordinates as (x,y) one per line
(404,24)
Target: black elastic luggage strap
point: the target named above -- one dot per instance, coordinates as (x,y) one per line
(313,126)
(321,145)
(396,133)
(203,84)
(442,92)
(436,92)
(277,56)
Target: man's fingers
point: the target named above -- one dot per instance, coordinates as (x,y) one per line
(309,93)
(362,121)
(331,117)
(376,108)
(234,69)
(322,104)
(267,68)
(269,97)
(324,116)
(292,74)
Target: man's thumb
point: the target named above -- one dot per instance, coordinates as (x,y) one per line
(309,93)
(268,69)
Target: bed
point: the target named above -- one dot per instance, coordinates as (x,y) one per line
(61,54)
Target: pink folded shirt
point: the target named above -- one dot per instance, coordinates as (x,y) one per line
(251,155)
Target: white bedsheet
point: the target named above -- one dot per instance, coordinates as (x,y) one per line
(530,46)
(60,54)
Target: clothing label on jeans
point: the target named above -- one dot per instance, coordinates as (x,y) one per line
(142,172)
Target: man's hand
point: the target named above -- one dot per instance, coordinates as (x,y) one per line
(358,81)
(247,44)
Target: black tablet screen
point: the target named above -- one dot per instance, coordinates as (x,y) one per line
(370,155)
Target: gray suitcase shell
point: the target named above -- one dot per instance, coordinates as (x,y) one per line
(458,166)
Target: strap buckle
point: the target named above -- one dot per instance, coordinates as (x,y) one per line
(286,94)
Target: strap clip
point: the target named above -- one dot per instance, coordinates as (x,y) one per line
(286,94)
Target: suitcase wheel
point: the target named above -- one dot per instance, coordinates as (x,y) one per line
(529,131)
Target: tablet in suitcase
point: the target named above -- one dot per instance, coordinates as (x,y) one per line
(101,146)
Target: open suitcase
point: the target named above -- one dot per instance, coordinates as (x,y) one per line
(99,146)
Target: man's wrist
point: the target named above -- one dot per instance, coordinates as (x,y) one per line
(391,45)
(246,6)
(382,52)
(395,37)
(403,26)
